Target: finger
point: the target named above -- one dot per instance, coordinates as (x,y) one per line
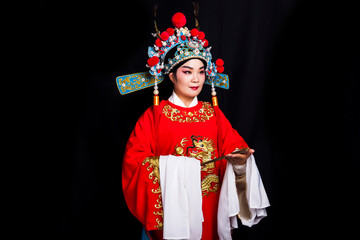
(239,155)
(237,161)
(237,158)
(231,159)
(249,153)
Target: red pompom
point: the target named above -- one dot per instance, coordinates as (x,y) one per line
(219,62)
(183,37)
(170,31)
(178,20)
(201,35)
(194,32)
(206,43)
(164,36)
(158,42)
(220,69)
(153,61)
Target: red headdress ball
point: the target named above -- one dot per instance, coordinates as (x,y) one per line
(201,35)
(178,20)
(153,61)
(206,43)
(170,31)
(164,36)
(158,42)
(219,62)
(219,65)
(194,32)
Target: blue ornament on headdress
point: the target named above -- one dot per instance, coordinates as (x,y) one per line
(188,45)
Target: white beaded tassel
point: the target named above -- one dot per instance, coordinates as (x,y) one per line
(213,93)
(156,93)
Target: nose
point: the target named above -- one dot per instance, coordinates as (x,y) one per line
(195,78)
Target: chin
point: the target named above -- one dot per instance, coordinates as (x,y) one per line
(197,92)
(192,95)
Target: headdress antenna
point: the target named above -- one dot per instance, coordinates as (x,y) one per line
(155,25)
(196,6)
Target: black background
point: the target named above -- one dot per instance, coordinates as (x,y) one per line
(294,72)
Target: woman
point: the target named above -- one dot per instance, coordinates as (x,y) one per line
(183,127)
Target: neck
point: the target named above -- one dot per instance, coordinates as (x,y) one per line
(186,101)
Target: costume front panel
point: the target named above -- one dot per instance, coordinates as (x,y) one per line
(191,133)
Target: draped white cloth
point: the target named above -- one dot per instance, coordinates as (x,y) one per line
(229,206)
(180,181)
(256,194)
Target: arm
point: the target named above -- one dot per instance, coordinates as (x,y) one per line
(231,140)
(140,178)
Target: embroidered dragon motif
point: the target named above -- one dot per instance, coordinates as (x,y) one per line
(202,149)
(209,184)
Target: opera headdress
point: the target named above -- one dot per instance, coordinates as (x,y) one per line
(188,44)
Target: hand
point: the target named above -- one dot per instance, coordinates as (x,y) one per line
(239,159)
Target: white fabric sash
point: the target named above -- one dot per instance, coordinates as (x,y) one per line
(180,181)
(256,194)
(229,203)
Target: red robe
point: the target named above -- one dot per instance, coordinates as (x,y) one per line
(202,132)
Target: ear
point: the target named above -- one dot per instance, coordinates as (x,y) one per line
(172,77)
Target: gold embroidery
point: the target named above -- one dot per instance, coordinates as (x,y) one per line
(154,164)
(159,213)
(160,224)
(202,115)
(202,149)
(207,184)
(180,150)
(155,176)
(158,190)
(159,205)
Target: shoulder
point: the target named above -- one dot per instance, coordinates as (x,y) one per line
(207,104)
(215,110)
(151,111)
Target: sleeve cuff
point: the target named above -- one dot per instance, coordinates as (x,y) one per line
(239,169)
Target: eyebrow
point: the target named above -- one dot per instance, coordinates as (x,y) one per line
(191,67)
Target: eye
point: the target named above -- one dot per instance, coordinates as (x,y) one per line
(187,72)
(202,72)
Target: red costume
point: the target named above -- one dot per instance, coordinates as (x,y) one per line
(201,132)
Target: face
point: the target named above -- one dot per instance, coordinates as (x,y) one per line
(188,80)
